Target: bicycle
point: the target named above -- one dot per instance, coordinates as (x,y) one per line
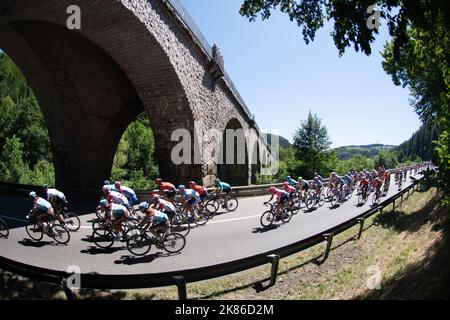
(180,224)
(4,230)
(57,232)
(376,197)
(217,201)
(269,216)
(315,200)
(104,234)
(363,196)
(139,242)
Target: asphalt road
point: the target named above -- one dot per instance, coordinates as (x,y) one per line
(227,237)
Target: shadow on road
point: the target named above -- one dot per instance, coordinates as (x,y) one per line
(35,244)
(266,229)
(96,251)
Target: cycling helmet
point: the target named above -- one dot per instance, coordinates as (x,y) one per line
(192,183)
(288,177)
(32,195)
(272,189)
(103,203)
(117,183)
(106,183)
(46,186)
(155,199)
(217,180)
(158,181)
(106,189)
(300,178)
(144,206)
(181,187)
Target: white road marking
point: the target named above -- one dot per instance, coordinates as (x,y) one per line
(235,219)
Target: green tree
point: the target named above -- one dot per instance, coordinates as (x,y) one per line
(311,142)
(12,166)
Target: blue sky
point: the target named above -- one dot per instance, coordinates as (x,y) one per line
(281,78)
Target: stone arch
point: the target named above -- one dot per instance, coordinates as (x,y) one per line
(234,168)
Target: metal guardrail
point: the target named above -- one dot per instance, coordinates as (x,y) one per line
(177,8)
(181,277)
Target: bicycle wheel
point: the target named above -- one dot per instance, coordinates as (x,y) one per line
(321,200)
(334,200)
(375,199)
(311,202)
(72,222)
(35,232)
(103,238)
(99,214)
(60,234)
(296,206)
(138,242)
(174,242)
(212,206)
(180,226)
(286,216)
(267,219)
(204,217)
(232,204)
(4,231)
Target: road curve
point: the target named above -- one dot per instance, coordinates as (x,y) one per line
(228,237)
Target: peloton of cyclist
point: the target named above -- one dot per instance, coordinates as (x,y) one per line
(281,197)
(129,193)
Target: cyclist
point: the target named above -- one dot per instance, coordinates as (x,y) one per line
(318,176)
(364,186)
(112,187)
(281,196)
(200,189)
(302,187)
(166,189)
(157,222)
(190,199)
(387,180)
(115,197)
(223,187)
(348,180)
(318,184)
(377,183)
(164,206)
(127,192)
(291,181)
(291,191)
(42,209)
(114,213)
(56,198)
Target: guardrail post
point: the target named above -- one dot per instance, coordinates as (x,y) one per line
(329,238)
(361,227)
(70,296)
(274,259)
(180,282)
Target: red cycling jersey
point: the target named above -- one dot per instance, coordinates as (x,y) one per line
(365,182)
(201,190)
(166,186)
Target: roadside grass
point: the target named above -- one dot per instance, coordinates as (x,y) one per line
(405,248)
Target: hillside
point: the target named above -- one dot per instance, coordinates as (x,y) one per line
(371,150)
(282,141)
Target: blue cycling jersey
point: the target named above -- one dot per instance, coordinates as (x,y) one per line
(223,186)
(292,182)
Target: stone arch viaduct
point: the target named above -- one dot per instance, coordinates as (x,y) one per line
(128,56)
